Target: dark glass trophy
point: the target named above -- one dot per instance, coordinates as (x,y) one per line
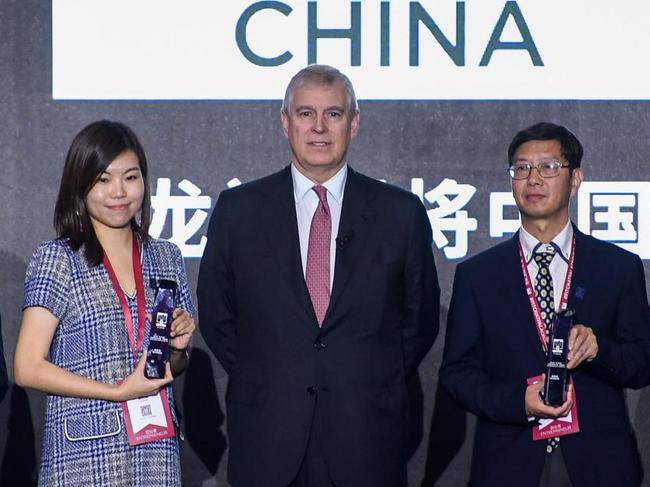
(161,323)
(555,383)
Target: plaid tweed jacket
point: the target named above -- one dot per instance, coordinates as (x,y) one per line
(84,441)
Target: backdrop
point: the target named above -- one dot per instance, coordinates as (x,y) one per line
(450,151)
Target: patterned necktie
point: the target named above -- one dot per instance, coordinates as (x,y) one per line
(544,286)
(544,292)
(317,274)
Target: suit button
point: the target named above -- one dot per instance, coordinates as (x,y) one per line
(319,345)
(311,390)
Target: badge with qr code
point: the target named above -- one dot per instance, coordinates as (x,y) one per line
(148,419)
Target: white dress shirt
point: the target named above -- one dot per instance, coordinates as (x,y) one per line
(560,263)
(306,204)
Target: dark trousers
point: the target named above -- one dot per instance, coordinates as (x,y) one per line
(555,473)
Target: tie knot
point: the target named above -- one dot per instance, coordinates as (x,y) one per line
(321,191)
(544,258)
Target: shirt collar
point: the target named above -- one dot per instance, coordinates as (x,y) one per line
(335,185)
(561,242)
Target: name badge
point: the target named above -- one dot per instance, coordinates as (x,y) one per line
(148,419)
(553,427)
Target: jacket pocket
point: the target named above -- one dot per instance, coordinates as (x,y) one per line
(394,398)
(92,426)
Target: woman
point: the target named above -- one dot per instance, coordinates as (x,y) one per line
(85,327)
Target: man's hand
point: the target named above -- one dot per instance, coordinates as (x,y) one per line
(535,405)
(182,329)
(583,345)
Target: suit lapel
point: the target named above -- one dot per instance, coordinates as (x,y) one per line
(278,218)
(583,269)
(517,299)
(354,228)
(279,223)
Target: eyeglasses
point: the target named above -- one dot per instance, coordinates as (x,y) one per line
(546,169)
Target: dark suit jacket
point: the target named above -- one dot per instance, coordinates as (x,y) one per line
(4,382)
(256,316)
(492,346)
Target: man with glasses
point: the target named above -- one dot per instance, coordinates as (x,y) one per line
(503,303)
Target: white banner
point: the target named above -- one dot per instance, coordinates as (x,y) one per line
(426,50)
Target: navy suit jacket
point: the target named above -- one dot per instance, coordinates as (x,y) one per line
(4,382)
(256,316)
(492,347)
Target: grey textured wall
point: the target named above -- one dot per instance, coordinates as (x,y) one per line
(211,142)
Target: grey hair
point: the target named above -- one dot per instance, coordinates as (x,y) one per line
(320,74)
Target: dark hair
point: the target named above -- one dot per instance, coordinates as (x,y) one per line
(320,74)
(90,154)
(571,146)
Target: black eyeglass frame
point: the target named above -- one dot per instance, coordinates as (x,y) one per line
(556,165)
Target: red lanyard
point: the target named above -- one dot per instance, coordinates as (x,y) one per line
(139,289)
(530,291)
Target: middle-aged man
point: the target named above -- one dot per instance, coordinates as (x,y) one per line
(318,294)
(502,302)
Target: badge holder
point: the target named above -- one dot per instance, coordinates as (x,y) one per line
(147,418)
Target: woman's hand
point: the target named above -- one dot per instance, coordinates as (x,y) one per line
(137,385)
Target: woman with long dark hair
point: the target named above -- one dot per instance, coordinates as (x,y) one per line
(85,327)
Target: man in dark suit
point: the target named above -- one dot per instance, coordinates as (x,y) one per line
(494,336)
(318,294)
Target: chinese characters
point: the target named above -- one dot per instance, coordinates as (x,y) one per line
(162,202)
(618,212)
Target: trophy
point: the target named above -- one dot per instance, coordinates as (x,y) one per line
(555,383)
(161,315)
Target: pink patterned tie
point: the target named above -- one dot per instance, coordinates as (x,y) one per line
(317,274)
